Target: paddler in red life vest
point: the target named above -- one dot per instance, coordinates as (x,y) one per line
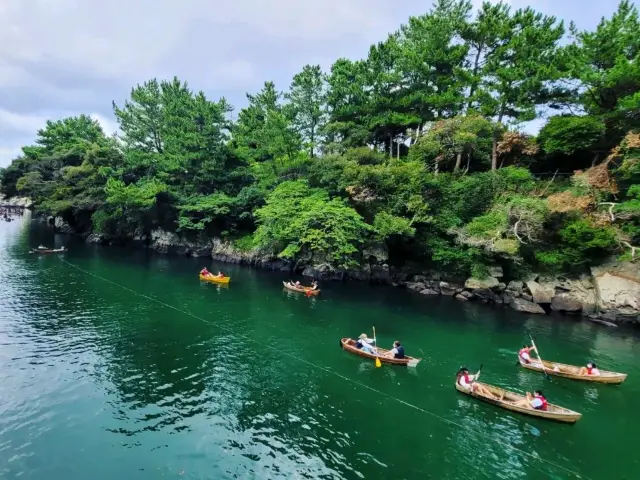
(524,355)
(467,382)
(591,369)
(204,272)
(537,401)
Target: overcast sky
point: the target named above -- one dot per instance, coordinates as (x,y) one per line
(66,57)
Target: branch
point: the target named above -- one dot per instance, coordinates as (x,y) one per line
(515,232)
(549,184)
(612,205)
(633,249)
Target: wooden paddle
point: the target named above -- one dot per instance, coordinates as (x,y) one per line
(477,375)
(378,362)
(544,370)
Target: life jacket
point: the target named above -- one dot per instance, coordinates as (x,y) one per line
(400,353)
(590,370)
(545,404)
(466,379)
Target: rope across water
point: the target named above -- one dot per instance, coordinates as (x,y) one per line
(328,370)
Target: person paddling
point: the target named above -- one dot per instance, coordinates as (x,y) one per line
(467,382)
(204,272)
(524,355)
(365,343)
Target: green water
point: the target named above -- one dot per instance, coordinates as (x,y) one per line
(97,382)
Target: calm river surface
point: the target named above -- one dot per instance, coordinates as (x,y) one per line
(100,382)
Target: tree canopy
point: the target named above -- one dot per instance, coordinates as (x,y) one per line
(417,148)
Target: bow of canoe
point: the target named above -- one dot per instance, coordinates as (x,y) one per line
(508,400)
(572,372)
(349,345)
(215,279)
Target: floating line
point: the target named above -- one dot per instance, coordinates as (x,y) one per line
(328,370)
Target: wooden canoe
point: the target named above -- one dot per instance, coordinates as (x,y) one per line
(350,346)
(213,279)
(507,399)
(571,371)
(43,251)
(307,290)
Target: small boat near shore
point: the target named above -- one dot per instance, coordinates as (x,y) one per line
(42,251)
(508,400)
(349,345)
(306,290)
(573,372)
(214,279)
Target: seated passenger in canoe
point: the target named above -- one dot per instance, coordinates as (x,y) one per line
(314,285)
(396,352)
(365,343)
(220,275)
(590,369)
(524,355)
(466,381)
(537,401)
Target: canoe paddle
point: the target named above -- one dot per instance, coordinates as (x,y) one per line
(544,370)
(378,362)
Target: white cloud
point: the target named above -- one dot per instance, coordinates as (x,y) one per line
(7,154)
(13,122)
(237,73)
(66,57)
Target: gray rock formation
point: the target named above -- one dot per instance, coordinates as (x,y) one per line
(521,305)
(62,226)
(486,282)
(618,289)
(565,303)
(171,243)
(541,292)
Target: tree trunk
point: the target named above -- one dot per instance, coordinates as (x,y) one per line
(312,139)
(398,151)
(494,152)
(494,143)
(435,168)
(458,162)
(476,65)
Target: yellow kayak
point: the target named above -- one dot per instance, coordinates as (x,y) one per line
(215,279)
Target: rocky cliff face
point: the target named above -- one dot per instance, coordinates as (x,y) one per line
(16,201)
(224,251)
(610,293)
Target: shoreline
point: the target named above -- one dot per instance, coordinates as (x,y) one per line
(589,296)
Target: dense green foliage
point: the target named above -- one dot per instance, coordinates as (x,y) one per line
(416,147)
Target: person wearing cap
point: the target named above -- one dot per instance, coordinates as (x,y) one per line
(365,343)
(467,382)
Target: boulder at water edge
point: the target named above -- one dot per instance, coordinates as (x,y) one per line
(477,283)
(564,303)
(521,305)
(541,292)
